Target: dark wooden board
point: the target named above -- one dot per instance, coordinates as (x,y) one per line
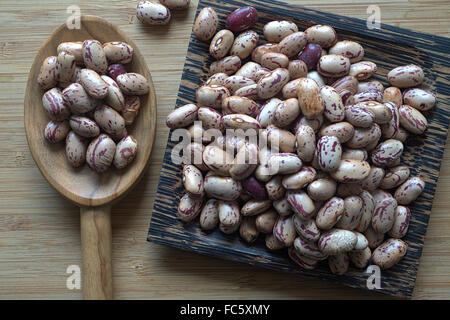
(388,47)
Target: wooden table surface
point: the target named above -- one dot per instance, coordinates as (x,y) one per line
(39,230)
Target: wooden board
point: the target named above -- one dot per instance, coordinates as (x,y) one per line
(388,48)
(40,229)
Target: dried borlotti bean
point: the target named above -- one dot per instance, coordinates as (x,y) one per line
(329,143)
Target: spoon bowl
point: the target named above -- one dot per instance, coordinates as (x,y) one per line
(93,192)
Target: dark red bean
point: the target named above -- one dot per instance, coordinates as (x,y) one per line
(255,188)
(242,19)
(116,70)
(311,55)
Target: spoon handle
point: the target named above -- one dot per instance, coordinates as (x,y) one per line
(96,246)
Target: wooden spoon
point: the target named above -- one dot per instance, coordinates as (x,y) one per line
(93,192)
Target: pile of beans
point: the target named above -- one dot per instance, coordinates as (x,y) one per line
(90,99)
(338,191)
(154,13)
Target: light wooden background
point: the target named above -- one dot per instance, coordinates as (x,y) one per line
(39,230)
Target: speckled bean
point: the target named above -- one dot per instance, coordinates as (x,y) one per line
(334,108)
(94,85)
(301,203)
(244,44)
(131,109)
(229,213)
(284,163)
(299,179)
(94,56)
(76,147)
(155,14)
(368,95)
(373,180)
(350,49)
(351,216)
(100,153)
(308,249)
(234,83)
(390,129)
(182,117)
(216,79)
(329,153)
(297,69)
(363,137)
(192,180)
(383,214)
(322,189)
(406,76)
(275,31)
(333,65)
(301,260)
(228,65)
(389,253)
(266,221)
(209,216)
(84,126)
(292,44)
(356,154)
(337,241)
(412,119)
(54,105)
(133,84)
(286,112)
(49,73)
(342,130)
(66,66)
(305,143)
(350,171)
(368,205)
(109,120)
(420,99)
(387,152)
(394,95)
(310,101)
(395,177)
(323,35)
(272,83)
(126,152)
(306,228)
(114,97)
(330,213)
(239,105)
(284,231)
(56,131)
(273,60)
(409,191)
(73,48)
(176,4)
(212,96)
(217,160)
(363,70)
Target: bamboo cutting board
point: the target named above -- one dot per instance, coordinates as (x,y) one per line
(388,48)
(39,230)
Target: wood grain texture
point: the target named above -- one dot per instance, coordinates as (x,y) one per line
(39,229)
(388,48)
(96,239)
